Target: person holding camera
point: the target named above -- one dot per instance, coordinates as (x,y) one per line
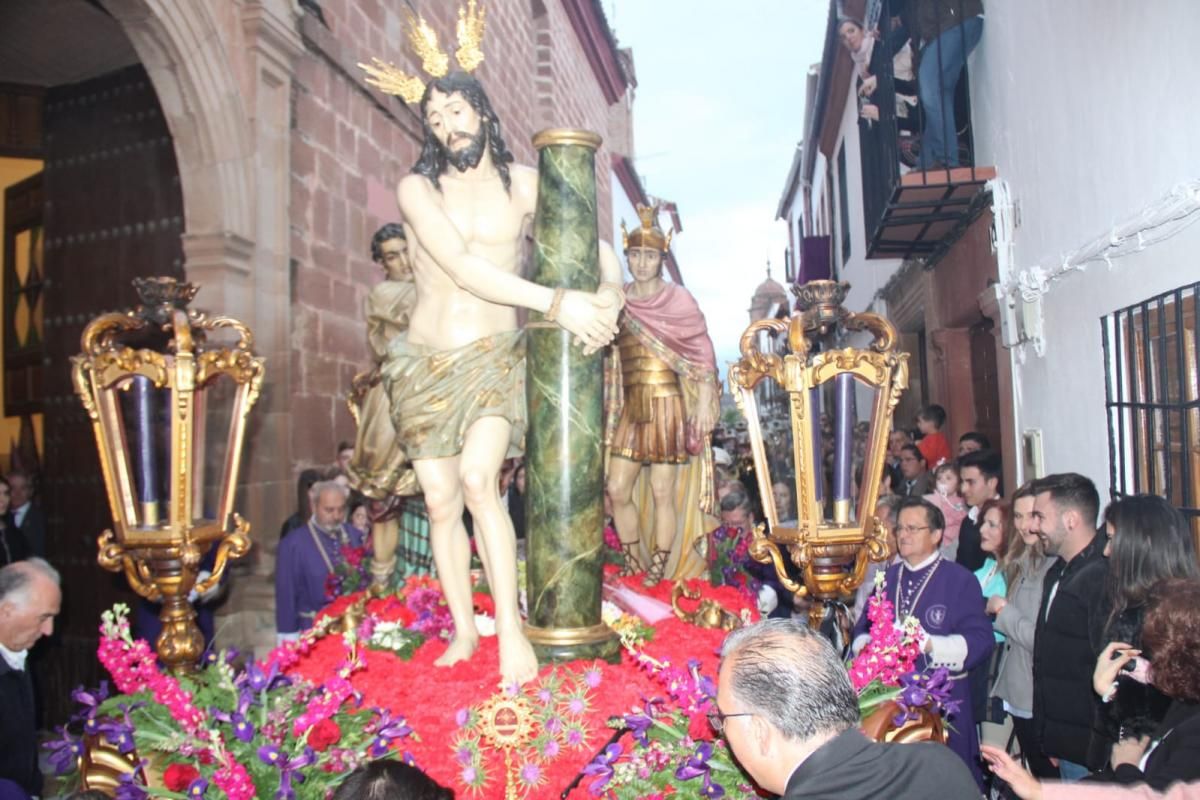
(1149,541)
(1169,754)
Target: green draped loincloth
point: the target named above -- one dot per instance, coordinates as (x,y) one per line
(437,394)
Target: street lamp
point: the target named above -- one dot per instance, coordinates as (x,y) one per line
(169,413)
(823,534)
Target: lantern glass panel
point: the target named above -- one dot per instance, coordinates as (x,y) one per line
(871,447)
(144,425)
(215,402)
(771,401)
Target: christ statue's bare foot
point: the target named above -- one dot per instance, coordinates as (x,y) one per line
(462,647)
(518,663)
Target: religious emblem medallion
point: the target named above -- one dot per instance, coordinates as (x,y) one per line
(506,722)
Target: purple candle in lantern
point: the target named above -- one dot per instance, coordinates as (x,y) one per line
(144,469)
(843,443)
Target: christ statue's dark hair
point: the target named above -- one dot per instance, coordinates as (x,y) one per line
(432,161)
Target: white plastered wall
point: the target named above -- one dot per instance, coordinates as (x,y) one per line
(1083,108)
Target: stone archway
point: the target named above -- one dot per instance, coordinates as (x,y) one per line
(224,78)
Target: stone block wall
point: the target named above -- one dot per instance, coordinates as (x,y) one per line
(350,145)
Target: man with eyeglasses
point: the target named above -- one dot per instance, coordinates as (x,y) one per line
(945,599)
(790,716)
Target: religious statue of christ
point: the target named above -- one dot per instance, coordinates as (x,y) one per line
(456,377)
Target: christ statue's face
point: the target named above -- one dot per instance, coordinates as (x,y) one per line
(457,127)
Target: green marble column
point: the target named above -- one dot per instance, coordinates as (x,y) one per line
(564,472)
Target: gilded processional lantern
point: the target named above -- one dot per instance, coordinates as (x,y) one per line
(817,465)
(168,409)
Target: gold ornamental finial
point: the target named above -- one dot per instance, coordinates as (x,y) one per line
(423,41)
(469,31)
(648,234)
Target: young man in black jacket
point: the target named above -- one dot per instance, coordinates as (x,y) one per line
(1064,516)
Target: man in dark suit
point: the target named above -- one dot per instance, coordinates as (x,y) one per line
(1071,614)
(31,522)
(788,712)
(914,473)
(29,601)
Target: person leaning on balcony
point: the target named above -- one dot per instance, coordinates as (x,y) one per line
(788,712)
(868,63)
(948,31)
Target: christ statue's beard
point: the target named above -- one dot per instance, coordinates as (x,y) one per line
(469,156)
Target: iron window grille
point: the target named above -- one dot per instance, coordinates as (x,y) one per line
(1152,395)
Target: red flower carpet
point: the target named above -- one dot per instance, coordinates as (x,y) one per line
(431,698)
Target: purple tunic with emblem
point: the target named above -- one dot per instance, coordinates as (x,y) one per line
(947,602)
(301,572)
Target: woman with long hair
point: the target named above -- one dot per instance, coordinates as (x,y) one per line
(1016,617)
(1148,541)
(995,532)
(1170,752)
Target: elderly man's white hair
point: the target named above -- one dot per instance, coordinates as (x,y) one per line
(17,578)
(322,487)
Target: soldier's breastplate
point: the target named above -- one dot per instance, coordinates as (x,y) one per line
(645,377)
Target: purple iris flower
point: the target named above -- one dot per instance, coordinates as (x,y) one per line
(128,788)
(259,681)
(90,700)
(289,772)
(242,727)
(197,788)
(696,764)
(926,690)
(639,725)
(601,769)
(63,752)
(711,788)
(389,727)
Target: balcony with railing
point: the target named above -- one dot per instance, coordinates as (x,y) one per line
(921,183)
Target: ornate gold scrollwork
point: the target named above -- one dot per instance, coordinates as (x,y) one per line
(235,545)
(100,333)
(885,332)
(756,365)
(245,340)
(707,614)
(764,551)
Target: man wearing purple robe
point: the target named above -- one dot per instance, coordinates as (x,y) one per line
(947,601)
(308,555)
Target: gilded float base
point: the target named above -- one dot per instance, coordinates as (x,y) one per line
(569,644)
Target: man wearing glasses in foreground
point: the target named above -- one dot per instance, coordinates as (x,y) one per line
(788,712)
(946,601)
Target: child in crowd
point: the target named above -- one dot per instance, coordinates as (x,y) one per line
(946,497)
(933,444)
